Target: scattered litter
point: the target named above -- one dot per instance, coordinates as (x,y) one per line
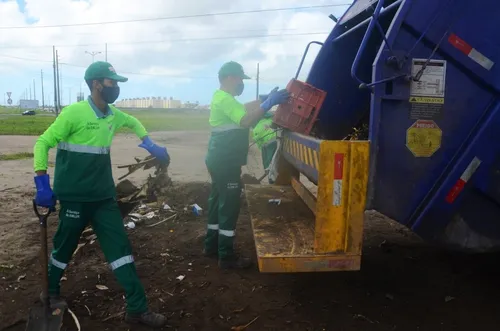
(130,225)
(90,314)
(171,231)
(166,219)
(169,294)
(275,201)
(77,323)
(166,207)
(135,215)
(6,266)
(143,206)
(81,245)
(362,317)
(113,316)
(243,327)
(239,310)
(150,215)
(63,279)
(190,263)
(102,287)
(20,278)
(448,299)
(181,277)
(197,210)
(164,254)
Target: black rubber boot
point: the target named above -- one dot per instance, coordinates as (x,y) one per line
(235,263)
(153,320)
(208,254)
(55,301)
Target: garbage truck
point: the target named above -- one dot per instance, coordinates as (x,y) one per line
(418,82)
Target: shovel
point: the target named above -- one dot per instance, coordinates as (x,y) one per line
(43,318)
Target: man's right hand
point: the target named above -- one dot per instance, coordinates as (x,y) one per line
(275,98)
(44,195)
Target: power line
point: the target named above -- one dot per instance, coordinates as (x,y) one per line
(175,40)
(174,17)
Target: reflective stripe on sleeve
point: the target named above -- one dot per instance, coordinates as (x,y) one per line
(121,262)
(83,148)
(213,226)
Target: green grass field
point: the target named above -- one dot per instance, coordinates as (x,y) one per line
(153,120)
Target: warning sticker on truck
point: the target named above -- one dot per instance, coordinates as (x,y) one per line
(423,138)
(430,78)
(427,89)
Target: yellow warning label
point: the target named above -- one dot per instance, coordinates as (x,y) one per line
(427,100)
(423,138)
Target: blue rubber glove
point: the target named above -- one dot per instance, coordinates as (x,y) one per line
(159,152)
(275,98)
(44,195)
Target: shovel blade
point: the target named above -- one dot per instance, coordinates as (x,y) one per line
(41,319)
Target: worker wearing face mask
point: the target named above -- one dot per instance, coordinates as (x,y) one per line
(84,186)
(230,121)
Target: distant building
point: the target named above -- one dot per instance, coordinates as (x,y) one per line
(149,102)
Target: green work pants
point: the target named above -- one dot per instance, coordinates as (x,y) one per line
(105,219)
(223,210)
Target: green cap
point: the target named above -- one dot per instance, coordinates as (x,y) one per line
(101,70)
(232,69)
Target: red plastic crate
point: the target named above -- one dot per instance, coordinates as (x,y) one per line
(301,110)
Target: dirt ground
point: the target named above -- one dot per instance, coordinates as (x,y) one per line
(404,284)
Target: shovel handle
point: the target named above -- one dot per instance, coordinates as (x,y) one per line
(41,216)
(44,252)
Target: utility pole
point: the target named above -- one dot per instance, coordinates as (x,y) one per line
(55,79)
(258,73)
(58,85)
(106,52)
(93,54)
(43,95)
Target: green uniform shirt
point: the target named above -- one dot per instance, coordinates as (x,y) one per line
(228,144)
(83,136)
(263,133)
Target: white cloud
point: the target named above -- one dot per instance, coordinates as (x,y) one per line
(190,49)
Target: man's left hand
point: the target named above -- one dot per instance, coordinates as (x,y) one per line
(159,152)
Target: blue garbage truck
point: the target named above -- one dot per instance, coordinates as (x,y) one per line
(420,78)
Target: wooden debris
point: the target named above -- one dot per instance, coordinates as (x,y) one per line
(244,327)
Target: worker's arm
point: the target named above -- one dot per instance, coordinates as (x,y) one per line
(257,108)
(132,123)
(159,152)
(249,114)
(56,132)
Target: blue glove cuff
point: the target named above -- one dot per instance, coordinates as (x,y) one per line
(42,181)
(148,142)
(266,105)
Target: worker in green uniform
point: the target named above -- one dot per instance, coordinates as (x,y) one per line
(84,186)
(230,121)
(265,138)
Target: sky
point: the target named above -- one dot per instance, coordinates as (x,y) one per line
(172,49)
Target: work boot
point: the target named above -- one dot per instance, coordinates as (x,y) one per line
(153,320)
(209,254)
(55,301)
(237,262)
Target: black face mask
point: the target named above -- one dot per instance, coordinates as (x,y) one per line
(109,94)
(239,88)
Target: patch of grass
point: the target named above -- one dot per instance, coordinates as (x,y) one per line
(15,156)
(162,120)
